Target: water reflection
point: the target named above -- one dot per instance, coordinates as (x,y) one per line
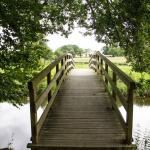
(141,126)
(142,138)
(15,126)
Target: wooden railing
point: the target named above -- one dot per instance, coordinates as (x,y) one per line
(105,67)
(62,65)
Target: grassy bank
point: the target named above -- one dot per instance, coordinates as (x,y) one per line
(142,80)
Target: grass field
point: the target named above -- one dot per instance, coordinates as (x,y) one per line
(144,87)
(121,63)
(81,62)
(81,59)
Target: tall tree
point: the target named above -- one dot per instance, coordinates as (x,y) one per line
(73,49)
(24,24)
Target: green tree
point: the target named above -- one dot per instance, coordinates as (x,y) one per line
(112,50)
(24,24)
(87,51)
(73,49)
(21,47)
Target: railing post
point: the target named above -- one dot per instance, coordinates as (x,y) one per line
(65,62)
(129,119)
(68,58)
(57,69)
(48,82)
(101,66)
(106,69)
(33,113)
(97,64)
(62,63)
(115,82)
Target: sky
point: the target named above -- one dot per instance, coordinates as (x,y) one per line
(76,38)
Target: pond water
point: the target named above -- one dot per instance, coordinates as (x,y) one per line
(15,126)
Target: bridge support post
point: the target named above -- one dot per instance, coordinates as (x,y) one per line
(101,67)
(62,63)
(129,116)
(48,82)
(115,82)
(57,69)
(97,64)
(33,113)
(106,69)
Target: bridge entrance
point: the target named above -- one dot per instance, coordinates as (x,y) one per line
(80,113)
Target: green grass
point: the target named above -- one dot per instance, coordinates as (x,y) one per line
(81,62)
(134,75)
(142,79)
(82,59)
(81,65)
(121,63)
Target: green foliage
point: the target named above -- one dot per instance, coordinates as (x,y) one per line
(142,81)
(114,51)
(17,68)
(22,29)
(73,49)
(143,87)
(124,23)
(24,24)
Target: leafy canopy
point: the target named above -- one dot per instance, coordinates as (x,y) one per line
(25,23)
(112,50)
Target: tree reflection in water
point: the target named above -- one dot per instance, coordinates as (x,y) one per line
(141,138)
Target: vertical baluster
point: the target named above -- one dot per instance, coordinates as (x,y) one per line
(62,63)
(68,59)
(57,69)
(48,82)
(65,62)
(115,82)
(101,66)
(33,113)
(106,69)
(97,64)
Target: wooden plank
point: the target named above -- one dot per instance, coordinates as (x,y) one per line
(115,88)
(125,78)
(75,146)
(33,113)
(43,96)
(48,82)
(115,84)
(80,119)
(44,72)
(129,116)
(122,121)
(44,115)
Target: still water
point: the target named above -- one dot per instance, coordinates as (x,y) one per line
(15,126)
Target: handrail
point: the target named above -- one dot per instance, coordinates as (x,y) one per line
(36,101)
(97,62)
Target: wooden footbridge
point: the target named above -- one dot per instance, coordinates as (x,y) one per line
(81,110)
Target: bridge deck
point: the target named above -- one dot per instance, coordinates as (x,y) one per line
(81,116)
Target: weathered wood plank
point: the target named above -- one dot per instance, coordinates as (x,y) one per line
(81,117)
